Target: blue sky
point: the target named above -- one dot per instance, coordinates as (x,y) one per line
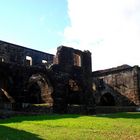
(38,24)
(110,29)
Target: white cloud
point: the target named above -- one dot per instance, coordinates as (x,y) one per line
(110,29)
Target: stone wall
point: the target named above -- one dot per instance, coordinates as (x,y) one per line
(22,84)
(66,82)
(71,78)
(121,82)
(11,53)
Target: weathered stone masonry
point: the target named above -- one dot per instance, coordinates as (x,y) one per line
(63,80)
(61,83)
(15,54)
(72,76)
(117,86)
(23,75)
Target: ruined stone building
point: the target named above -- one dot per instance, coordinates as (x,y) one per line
(117,86)
(62,80)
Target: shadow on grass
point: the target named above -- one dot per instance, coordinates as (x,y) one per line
(7,133)
(126,115)
(21,118)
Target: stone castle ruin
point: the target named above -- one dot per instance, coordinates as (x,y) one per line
(63,81)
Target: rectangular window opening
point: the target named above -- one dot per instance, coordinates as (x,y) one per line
(28,61)
(77,60)
(44,61)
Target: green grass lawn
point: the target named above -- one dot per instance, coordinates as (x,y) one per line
(119,126)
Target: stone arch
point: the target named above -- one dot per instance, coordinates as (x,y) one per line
(40,89)
(107,99)
(5,85)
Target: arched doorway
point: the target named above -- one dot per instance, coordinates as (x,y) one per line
(40,90)
(5,86)
(107,100)
(74,92)
(35,93)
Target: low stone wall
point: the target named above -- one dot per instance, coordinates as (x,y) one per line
(6,106)
(71,109)
(76,109)
(115,109)
(38,109)
(80,109)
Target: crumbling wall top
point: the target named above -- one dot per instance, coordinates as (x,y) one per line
(113,70)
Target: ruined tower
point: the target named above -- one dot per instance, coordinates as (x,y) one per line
(75,67)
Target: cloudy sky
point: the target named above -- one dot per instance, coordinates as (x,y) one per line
(110,29)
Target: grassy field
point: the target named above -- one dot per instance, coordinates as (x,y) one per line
(120,126)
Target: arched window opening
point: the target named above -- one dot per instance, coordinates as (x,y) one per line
(1,59)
